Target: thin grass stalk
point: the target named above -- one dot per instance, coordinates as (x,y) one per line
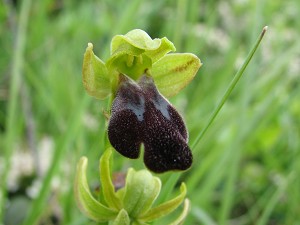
(230,88)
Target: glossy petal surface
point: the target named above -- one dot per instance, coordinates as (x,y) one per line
(140,114)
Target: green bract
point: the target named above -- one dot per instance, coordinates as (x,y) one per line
(129,205)
(134,54)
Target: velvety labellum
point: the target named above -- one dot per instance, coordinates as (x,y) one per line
(140,114)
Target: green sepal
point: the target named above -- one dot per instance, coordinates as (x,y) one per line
(108,189)
(164,208)
(174,71)
(122,218)
(85,201)
(95,75)
(180,219)
(141,190)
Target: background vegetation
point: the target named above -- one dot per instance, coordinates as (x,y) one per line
(246,168)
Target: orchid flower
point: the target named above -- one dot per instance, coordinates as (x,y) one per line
(139,75)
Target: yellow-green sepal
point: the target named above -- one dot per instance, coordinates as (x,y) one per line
(108,188)
(164,208)
(85,200)
(95,77)
(174,71)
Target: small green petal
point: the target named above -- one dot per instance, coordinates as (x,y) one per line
(141,190)
(137,42)
(135,52)
(125,49)
(184,213)
(95,76)
(85,201)
(164,208)
(165,47)
(107,186)
(122,218)
(137,38)
(174,71)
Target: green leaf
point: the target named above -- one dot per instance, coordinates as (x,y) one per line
(141,190)
(85,201)
(107,185)
(164,208)
(122,218)
(95,76)
(174,71)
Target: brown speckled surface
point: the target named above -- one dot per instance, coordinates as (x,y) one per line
(140,114)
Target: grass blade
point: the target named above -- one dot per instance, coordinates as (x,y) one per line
(230,88)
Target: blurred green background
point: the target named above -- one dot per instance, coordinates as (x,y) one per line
(246,168)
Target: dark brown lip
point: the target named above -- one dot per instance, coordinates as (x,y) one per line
(140,114)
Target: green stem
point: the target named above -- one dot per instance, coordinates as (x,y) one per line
(12,111)
(231,86)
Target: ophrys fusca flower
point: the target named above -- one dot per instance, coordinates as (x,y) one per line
(140,114)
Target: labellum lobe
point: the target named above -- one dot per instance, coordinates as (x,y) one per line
(140,114)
